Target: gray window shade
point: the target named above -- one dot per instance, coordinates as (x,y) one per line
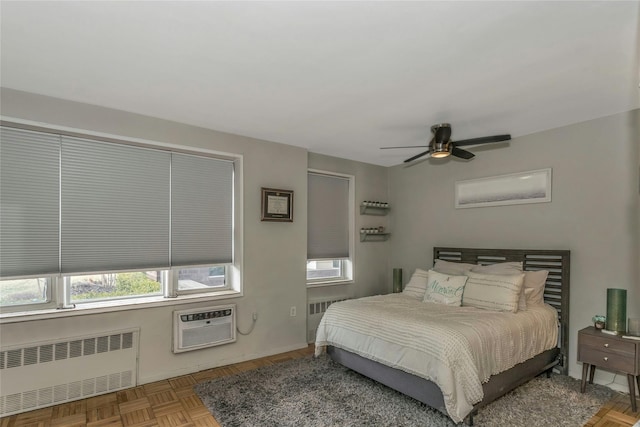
(115,207)
(327,217)
(201,210)
(72,205)
(29,209)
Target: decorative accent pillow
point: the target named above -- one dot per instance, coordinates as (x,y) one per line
(524,294)
(493,291)
(499,268)
(453,268)
(417,285)
(535,280)
(444,288)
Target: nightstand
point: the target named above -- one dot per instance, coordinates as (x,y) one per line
(612,353)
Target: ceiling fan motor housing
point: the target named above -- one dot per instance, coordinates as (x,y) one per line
(441,143)
(434,128)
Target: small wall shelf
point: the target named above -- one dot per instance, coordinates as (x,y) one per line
(373,210)
(374,237)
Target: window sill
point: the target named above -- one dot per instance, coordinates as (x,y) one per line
(329,283)
(114,306)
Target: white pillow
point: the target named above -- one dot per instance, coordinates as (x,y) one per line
(505,268)
(444,288)
(417,285)
(493,291)
(453,268)
(536,281)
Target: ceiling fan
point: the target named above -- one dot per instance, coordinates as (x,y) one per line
(442,146)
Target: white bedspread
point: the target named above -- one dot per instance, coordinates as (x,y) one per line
(458,348)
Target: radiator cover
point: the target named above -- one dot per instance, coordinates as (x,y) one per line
(48,373)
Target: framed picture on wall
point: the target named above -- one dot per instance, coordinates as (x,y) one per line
(277,205)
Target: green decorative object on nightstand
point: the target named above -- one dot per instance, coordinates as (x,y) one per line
(617,310)
(397,280)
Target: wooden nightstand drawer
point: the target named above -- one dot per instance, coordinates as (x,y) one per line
(607,342)
(607,359)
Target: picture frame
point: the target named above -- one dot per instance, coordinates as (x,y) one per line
(276,205)
(511,189)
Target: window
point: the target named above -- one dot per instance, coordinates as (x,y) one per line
(199,278)
(330,228)
(106,221)
(328,269)
(27,291)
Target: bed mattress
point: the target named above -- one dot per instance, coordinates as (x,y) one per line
(458,348)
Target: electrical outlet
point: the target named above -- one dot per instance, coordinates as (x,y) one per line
(292,311)
(255,316)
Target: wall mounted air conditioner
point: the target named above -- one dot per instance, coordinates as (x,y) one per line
(203,327)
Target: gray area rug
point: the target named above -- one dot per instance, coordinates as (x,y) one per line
(319,392)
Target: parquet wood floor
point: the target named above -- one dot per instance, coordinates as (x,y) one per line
(616,413)
(172,402)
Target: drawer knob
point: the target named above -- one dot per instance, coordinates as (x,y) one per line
(605,358)
(607,345)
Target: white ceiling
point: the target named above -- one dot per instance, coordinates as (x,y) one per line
(338,78)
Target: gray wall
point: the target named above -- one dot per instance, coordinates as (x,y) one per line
(594,212)
(274,253)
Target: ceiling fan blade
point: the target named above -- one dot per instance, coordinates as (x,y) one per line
(463,154)
(404,146)
(417,156)
(482,140)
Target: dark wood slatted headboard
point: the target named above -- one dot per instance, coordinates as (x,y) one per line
(556,291)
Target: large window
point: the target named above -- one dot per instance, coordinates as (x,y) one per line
(83,220)
(330,228)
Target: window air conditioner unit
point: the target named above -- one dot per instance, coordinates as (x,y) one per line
(203,327)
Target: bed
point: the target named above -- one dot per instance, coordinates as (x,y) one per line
(447,369)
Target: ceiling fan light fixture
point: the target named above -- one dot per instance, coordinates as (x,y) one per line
(440,154)
(440,150)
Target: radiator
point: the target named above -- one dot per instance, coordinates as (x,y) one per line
(315,311)
(49,373)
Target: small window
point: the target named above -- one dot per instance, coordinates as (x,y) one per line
(325,269)
(330,228)
(24,291)
(96,287)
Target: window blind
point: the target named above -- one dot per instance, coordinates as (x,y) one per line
(115,207)
(73,205)
(327,217)
(201,210)
(29,206)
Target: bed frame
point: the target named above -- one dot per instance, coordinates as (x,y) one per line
(556,294)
